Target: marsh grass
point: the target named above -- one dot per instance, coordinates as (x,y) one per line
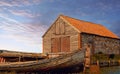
(8,72)
(104,57)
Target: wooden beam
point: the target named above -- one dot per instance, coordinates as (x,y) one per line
(19,58)
(79,41)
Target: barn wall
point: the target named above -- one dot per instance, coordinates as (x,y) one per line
(102,44)
(69,31)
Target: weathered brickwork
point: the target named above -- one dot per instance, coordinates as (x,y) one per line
(101,44)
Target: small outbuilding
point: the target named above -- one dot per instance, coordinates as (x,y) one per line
(68,34)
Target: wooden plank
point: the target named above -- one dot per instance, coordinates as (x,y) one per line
(59,44)
(79,41)
(65,44)
(62,28)
(55,45)
(65,30)
(57,28)
(47,64)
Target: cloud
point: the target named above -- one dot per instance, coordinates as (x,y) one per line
(36,1)
(11,3)
(103,6)
(25,13)
(5,3)
(30,30)
(29,34)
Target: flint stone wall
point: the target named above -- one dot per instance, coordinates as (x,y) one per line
(101,44)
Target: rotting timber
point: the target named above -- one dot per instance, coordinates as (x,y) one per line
(50,62)
(14,56)
(66,60)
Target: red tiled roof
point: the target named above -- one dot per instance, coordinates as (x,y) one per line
(91,28)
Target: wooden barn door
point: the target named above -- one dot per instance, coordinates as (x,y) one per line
(55,45)
(61,44)
(65,44)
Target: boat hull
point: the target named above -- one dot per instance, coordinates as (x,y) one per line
(63,61)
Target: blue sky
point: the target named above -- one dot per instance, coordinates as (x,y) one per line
(23,22)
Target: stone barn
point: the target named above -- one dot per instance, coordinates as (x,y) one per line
(68,34)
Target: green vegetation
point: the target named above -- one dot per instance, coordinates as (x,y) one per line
(8,72)
(110,70)
(104,57)
(117,57)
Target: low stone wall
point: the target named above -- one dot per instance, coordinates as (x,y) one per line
(107,63)
(101,44)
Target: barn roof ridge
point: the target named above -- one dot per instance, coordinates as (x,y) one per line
(81,20)
(86,27)
(92,28)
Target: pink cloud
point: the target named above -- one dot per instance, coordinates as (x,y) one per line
(25,13)
(9,3)
(25,32)
(36,1)
(18,2)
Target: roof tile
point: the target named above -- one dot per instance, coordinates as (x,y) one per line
(88,27)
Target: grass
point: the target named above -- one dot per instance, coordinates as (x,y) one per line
(104,57)
(9,72)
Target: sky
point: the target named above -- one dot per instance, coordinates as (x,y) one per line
(23,22)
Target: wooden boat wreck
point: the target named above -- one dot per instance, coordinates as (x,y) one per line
(62,61)
(14,56)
